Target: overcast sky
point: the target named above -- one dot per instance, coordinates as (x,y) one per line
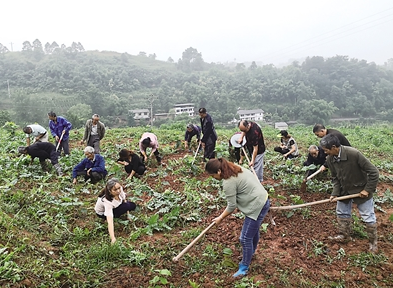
(271,31)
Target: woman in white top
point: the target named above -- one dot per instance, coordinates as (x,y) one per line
(112,203)
(288,145)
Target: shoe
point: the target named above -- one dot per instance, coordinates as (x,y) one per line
(243,270)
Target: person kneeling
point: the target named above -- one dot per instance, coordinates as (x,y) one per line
(133,164)
(92,167)
(112,203)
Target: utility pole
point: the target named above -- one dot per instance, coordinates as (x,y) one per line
(9,92)
(11,47)
(151,99)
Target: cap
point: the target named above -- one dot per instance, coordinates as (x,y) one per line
(283,133)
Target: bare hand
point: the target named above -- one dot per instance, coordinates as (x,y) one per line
(251,163)
(82,142)
(217,220)
(113,240)
(57,138)
(74,181)
(332,198)
(363,194)
(323,168)
(63,132)
(88,172)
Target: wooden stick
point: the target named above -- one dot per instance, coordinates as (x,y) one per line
(185,250)
(58,144)
(314,174)
(196,153)
(315,202)
(248,159)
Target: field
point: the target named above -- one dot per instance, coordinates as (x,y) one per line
(51,237)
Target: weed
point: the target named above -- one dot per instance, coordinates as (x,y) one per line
(364,260)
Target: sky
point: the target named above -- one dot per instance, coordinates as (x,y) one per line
(268,32)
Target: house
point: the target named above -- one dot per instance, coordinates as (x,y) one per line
(281,125)
(253,115)
(141,114)
(184,108)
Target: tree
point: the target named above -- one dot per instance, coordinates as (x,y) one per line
(143,54)
(315,111)
(27,46)
(3,49)
(78,114)
(48,49)
(153,56)
(170,60)
(191,60)
(37,46)
(253,66)
(4,117)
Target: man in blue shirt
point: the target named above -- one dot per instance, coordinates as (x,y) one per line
(92,167)
(60,126)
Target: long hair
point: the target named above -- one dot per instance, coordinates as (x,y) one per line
(125,154)
(106,191)
(228,169)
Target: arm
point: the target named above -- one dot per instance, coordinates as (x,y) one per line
(207,131)
(254,155)
(78,167)
(86,134)
(372,173)
(102,130)
(99,164)
(223,215)
(28,141)
(111,229)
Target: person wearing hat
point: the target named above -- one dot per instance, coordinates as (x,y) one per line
(149,140)
(37,131)
(288,146)
(43,151)
(191,131)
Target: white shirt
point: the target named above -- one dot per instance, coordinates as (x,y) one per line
(105,207)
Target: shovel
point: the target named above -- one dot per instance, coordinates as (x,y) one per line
(303,188)
(58,144)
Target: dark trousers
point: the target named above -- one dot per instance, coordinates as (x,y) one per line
(121,209)
(94,176)
(63,145)
(209,152)
(140,170)
(94,141)
(284,151)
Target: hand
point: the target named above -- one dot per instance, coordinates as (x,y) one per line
(74,181)
(57,138)
(203,145)
(186,145)
(82,142)
(113,240)
(145,158)
(37,138)
(323,168)
(240,162)
(151,155)
(63,132)
(363,194)
(88,172)
(240,140)
(251,163)
(332,198)
(217,220)
(285,155)
(125,163)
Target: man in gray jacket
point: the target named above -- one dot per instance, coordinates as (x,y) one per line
(94,132)
(352,173)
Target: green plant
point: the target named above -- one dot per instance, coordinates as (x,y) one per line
(161,278)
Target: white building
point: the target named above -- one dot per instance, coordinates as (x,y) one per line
(184,108)
(281,126)
(141,114)
(253,115)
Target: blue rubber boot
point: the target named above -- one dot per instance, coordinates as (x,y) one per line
(243,269)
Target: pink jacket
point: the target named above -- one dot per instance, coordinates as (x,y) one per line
(153,143)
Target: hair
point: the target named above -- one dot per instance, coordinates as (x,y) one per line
(27,129)
(125,154)
(190,126)
(89,149)
(328,141)
(285,134)
(202,110)
(95,116)
(317,128)
(228,169)
(146,141)
(106,191)
(313,147)
(52,114)
(244,122)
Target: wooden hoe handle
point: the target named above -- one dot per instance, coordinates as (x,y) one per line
(185,250)
(314,203)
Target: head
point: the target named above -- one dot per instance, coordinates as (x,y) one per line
(95,118)
(89,152)
(146,142)
(111,189)
(22,150)
(319,130)
(222,169)
(244,125)
(202,112)
(190,127)
(313,150)
(284,134)
(125,154)
(27,130)
(330,144)
(52,115)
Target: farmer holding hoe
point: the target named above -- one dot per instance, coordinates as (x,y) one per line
(112,203)
(352,173)
(191,131)
(60,129)
(243,191)
(209,138)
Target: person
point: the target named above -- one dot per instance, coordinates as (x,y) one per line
(94,132)
(60,126)
(255,145)
(37,131)
(43,151)
(288,146)
(92,167)
(191,131)
(209,138)
(133,164)
(320,131)
(112,203)
(149,140)
(352,173)
(243,191)
(317,157)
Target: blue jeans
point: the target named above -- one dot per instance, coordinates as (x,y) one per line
(258,166)
(366,210)
(249,237)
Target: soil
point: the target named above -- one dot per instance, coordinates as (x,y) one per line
(295,252)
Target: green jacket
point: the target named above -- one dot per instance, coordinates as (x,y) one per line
(246,193)
(352,174)
(88,127)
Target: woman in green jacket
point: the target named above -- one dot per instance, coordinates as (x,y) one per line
(243,191)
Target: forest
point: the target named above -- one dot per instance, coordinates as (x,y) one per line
(75,83)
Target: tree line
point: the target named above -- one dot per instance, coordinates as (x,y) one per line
(111,84)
